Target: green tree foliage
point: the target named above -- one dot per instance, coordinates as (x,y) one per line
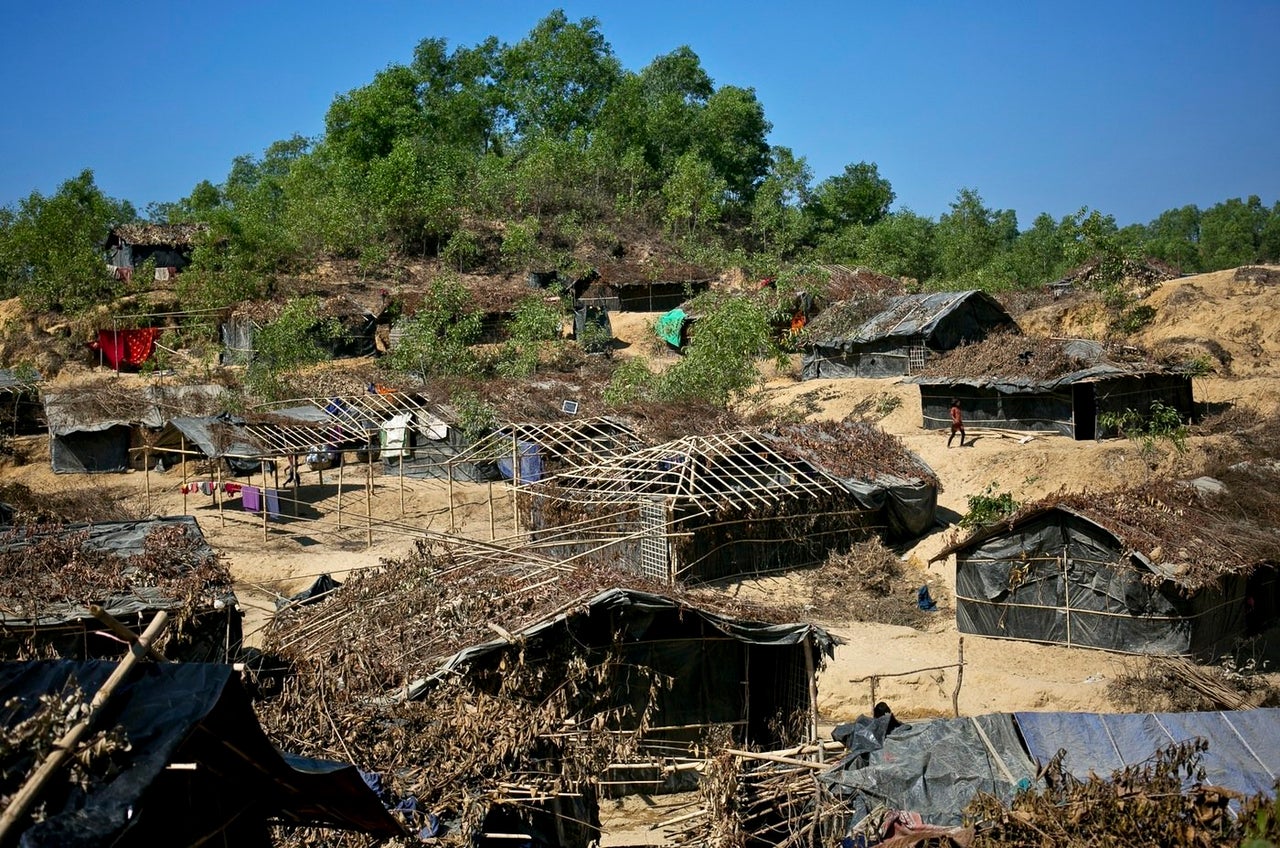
(296,338)
(777,215)
(901,244)
(970,235)
(859,196)
(1231,233)
(436,340)
(720,361)
(51,248)
(693,195)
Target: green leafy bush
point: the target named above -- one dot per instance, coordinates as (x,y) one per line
(436,339)
(987,507)
(1160,421)
(296,338)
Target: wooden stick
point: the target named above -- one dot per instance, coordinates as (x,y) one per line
(262,502)
(955,696)
(452,524)
(222,497)
(368,501)
(402,492)
(515,484)
(184,475)
(113,624)
(297,478)
(342,464)
(774,758)
(492,533)
(146,472)
(65,747)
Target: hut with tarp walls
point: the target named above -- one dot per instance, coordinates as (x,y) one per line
(94,426)
(1171,568)
(535,685)
(1068,387)
(54,575)
(894,337)
(21,413)
(169,246)
(176,757)
(622,284)
(725,505)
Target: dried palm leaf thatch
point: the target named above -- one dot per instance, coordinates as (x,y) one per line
(851,449)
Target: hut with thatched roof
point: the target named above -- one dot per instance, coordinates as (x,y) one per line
(1171,568)
(1068,387)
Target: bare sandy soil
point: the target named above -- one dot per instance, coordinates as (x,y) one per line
(999,675)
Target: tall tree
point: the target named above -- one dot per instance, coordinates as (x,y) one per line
(970,235)
(776,212)
(731,138)
(859,195)
(1231,233)
(1175,237)
(556,79)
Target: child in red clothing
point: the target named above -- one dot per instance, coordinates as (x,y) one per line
(957,423)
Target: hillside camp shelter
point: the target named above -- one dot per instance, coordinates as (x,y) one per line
(70,630)
(935,767)
(529,451)
(1071,404)
(898,339)
(21,413)
(198,769)
(1062,575)
(711,507)
(622,285)
(93,428)
(753,677)
(168,245)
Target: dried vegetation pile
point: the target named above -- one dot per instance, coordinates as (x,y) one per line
(850,449)
(869,582)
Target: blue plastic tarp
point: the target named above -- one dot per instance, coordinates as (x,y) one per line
(530,463)
(1243,754)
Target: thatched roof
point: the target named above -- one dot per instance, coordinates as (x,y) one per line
(1013,357)
(1180,532)
(404,620)
(149,234)
(852,450)
(844,283)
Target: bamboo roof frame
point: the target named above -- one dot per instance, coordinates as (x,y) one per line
(366,412)
(577,441)
(738,470)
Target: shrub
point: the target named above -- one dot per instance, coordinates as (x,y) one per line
(435,340)
(987,507)
(296,338)
(1161,421)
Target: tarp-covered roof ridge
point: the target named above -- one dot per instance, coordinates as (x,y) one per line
(911,315)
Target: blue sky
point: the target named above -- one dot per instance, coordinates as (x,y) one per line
(1130,108)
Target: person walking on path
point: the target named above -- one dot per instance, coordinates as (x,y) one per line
(957,423)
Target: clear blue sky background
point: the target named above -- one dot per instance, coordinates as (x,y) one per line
(1130,108)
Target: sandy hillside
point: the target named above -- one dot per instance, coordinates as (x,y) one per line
(1237,315)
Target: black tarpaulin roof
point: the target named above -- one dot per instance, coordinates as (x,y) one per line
(916,315)
(191,713)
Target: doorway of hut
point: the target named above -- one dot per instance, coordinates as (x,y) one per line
(1084,411)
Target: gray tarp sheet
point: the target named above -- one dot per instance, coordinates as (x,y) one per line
(909,507)
(935,768)
(1244,746)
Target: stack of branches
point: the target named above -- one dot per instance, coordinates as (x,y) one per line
(74,504)
(1175,684)
(868,582)
(1012,356)
(526,725)
(850,449)
(770,798)
(841,320)
(846,283)
(1139,273)
(1200,536)
(27,743)
(674,419)
(44,566)
(1145,804)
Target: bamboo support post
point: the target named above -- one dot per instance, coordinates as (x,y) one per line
(402,490)
(184,475)
(297,478)
(113,624)
(955,696)
(809,648)
(342,464)
(65,748)
(146,473)
(492,531)
(515,484)
(262,501)
(368,502)
(222,497)
(452,524)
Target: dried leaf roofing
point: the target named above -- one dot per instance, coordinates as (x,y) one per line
(1173,528)
(1010,357)
(149,234)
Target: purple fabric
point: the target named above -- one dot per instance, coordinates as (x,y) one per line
(249,498)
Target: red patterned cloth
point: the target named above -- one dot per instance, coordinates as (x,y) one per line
(127,347)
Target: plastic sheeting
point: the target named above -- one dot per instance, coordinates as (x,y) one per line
(592,328)
(185,712)
(1244,746)
(908,507)
(1061,578)
(530,463)
(934,768)
(670,327)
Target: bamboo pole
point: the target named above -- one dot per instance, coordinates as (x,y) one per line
(809,670)
(146,473)
(222,497)
(452,524)
(368,501)
(342,464)
(955,696)
(492,532)
(402,490)
(113,624)
(515,484)
(65,747)
(297,478)
(262,501)
(184,475)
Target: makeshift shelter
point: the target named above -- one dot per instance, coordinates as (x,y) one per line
(168,245)
(710,507)
(592,328)
(937,767)
(1068,387)
(587,656)
(131,569)
(526,452)
(21,413)
(845,341)
(184,763)
(625,285)
(1161,570)
(93,427)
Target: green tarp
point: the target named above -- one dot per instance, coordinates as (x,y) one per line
(669,327)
